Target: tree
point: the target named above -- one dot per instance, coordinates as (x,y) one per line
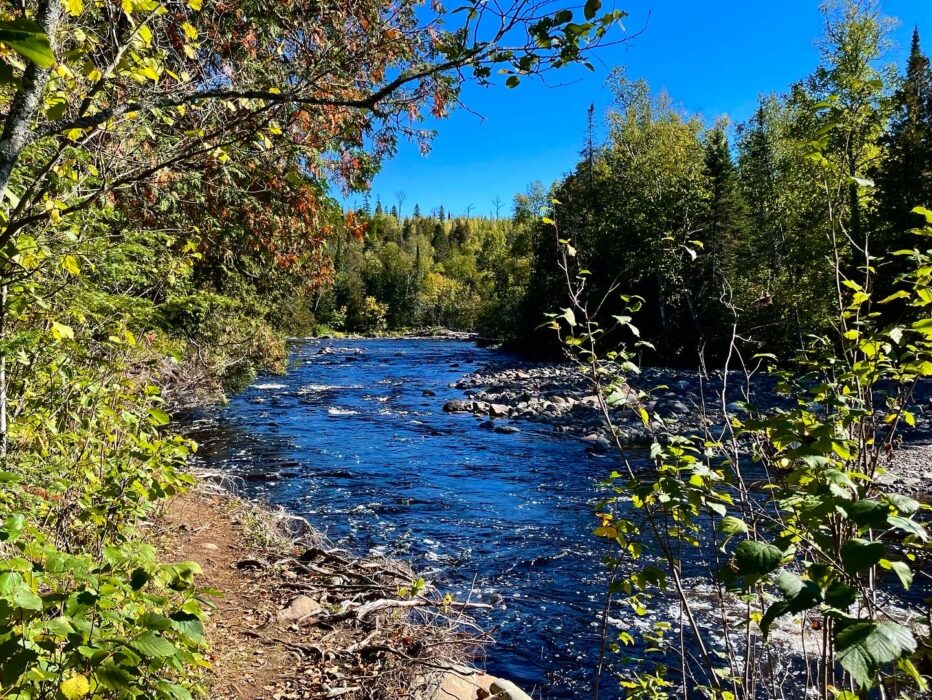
(904,175)
(723,236)
(400,197)
(852,86)
(497,204)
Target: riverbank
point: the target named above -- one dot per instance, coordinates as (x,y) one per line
(294,617)
(687,401)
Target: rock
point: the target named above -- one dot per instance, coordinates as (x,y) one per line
(736,407)
(456,406)
(245,564)
(300,608)
(428,392)
(506,690)
(498,410)
(487,424)
(678,407)
(209,546)
(507,429)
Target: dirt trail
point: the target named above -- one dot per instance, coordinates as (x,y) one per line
(246,663)
(299,621)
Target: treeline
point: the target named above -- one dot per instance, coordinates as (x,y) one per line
(423,271)
(725,230)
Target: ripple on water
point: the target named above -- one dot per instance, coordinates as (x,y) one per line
(362,451)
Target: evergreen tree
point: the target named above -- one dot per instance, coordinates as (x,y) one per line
(441,213)
(394,211)
(904,178)
(378,206)
(417,211)
(723,235)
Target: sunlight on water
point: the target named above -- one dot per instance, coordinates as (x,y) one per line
(357,443)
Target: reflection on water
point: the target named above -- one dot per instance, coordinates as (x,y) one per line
(359,444)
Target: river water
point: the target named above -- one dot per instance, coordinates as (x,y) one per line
(354,438)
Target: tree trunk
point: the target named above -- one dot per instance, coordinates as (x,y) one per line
(15,137)
(27,101)
(3,386)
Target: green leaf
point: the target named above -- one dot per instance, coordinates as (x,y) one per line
(24,598)
(113,677)
(154,621)
(777,610)
(591,8)
(62,332)
(158,417)
(139,578)
(858,555)
(840,596)
(903,504)
(730,525)
(513,81)
(867,513)
(70,264)
(865,646)
(901,569)
(757,558)
(173,690)
(27,39)
(153,645)
(853,656)
(909,526)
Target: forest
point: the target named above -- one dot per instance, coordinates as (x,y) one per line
(170,217)
(708,221)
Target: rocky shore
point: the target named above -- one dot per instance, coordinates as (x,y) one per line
(298,618)
(557,395)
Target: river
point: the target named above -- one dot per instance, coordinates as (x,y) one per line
(354,438)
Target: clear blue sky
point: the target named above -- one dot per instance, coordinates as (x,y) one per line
(714,58)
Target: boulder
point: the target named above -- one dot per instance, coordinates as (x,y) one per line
(456,406)
(498,410)
(300,608)
(506,690)
(507,429)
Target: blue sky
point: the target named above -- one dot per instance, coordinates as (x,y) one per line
(714,58)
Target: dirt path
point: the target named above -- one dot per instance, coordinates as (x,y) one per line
(294,621)
(246,663)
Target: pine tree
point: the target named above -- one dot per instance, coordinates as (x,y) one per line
(726,219)
(394,211)
(417,211)
(904,179)
(441,214)
(378,206)
(723,233)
